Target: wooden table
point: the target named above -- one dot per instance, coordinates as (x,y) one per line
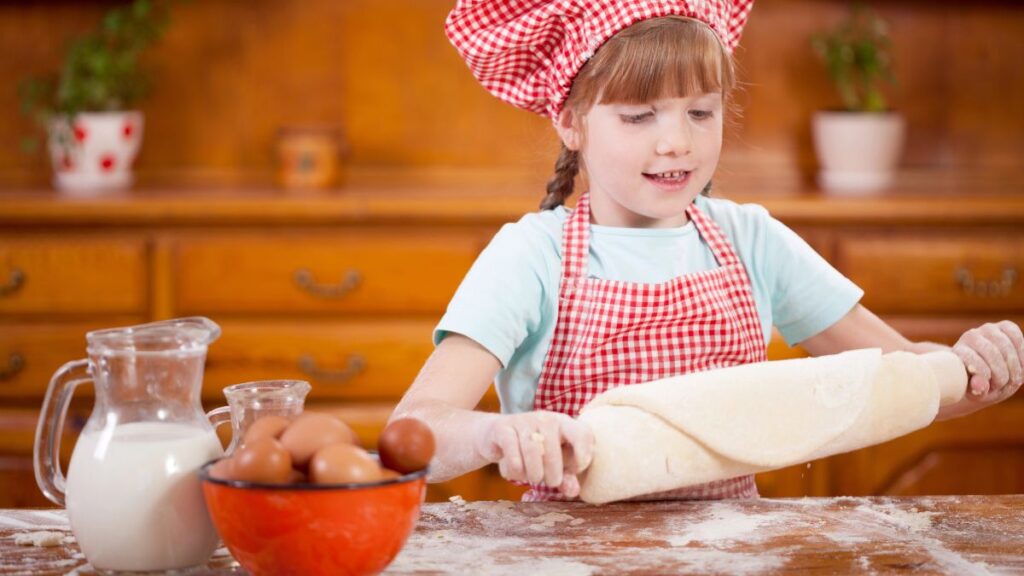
(947,535)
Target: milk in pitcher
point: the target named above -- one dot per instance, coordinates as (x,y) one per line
(134,498)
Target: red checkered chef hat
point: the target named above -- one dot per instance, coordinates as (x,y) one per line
(527,52)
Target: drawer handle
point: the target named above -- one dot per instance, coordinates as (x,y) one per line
(15,364)
(15,280)
(987,288)
(354,365)
(304,279)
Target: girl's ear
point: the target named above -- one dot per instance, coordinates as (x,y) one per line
(568,129)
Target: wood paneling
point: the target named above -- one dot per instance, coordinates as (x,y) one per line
(937,273)
(83,275)
(361,271)
(229,74)
(219,254)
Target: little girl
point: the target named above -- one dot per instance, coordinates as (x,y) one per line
(647,277)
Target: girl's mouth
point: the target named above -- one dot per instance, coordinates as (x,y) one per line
(669,180)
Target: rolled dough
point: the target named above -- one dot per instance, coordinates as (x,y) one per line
(713,425)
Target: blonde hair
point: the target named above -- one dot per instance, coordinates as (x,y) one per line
(672,56)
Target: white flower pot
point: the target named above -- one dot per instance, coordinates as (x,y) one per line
(94,152)
(857,151)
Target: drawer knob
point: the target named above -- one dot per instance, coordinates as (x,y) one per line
(15,364)
(304,279)
(15,280)
(987,288)
(354,365)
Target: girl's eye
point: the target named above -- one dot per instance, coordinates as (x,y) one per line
(701,114)
(635,118)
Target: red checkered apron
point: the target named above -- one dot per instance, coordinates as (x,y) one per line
(613,333)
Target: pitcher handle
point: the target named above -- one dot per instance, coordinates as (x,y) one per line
(219,416)
(46,452)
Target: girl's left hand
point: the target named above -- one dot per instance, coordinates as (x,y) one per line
(994,356)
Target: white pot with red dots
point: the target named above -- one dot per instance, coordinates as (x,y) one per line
(94,152)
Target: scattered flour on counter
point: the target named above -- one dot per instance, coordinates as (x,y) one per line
(42,538)
(727,523)
(38,519)
(458,500)
(911,520)
(498,506)
(559,567)
(547,521)
(711,561)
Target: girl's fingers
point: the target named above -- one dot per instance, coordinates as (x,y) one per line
(531,443)
(1016,336)
(979,387)
(553,465)
(511,463)
(580,440)
(976,367)
(1008,338)
(570,486)
(997,348)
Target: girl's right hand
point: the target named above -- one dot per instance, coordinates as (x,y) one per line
(538,447)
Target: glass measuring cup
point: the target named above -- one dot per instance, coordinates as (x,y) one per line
(250,401)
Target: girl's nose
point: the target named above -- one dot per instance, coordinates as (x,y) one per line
(674,141)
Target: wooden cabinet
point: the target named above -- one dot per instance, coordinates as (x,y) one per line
(344,291)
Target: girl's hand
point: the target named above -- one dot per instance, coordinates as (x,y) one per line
(994,356)
(538,447)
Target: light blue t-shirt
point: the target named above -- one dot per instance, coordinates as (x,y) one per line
(508,301)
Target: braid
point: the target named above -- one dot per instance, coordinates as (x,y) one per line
(561,184)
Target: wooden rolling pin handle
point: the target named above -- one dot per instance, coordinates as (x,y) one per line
(951,375)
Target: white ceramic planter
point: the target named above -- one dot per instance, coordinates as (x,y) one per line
(94,152)
(857,151)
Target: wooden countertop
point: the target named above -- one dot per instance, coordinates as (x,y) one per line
(940,534)
(926,198)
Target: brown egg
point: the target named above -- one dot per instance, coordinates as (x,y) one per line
(223,469)
(262,460)
(297,477)
(312,431)
(389,474)
(266,427)
(406,445)
(343,463)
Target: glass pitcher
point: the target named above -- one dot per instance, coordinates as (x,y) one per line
(250,401)
(132,492)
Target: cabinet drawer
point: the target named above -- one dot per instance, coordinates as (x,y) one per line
(72,276)
(30,354)
(903,273)
(375,271)
(343,360)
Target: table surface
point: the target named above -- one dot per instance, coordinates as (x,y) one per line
(939,534)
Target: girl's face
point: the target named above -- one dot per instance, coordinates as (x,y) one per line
(645,163)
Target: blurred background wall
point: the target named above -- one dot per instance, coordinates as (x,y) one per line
(228,74)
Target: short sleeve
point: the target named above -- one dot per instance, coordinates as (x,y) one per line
(500,301)
(807,293)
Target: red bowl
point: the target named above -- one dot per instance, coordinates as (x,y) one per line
(314,529)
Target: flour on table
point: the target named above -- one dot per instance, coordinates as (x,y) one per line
(496,507)
(712,561)
(727,523)
(547,521)
(911,520)
(43,538)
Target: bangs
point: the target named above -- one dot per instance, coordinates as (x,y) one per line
(669,57)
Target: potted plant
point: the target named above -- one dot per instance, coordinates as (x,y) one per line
(93,131)
(858,146)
